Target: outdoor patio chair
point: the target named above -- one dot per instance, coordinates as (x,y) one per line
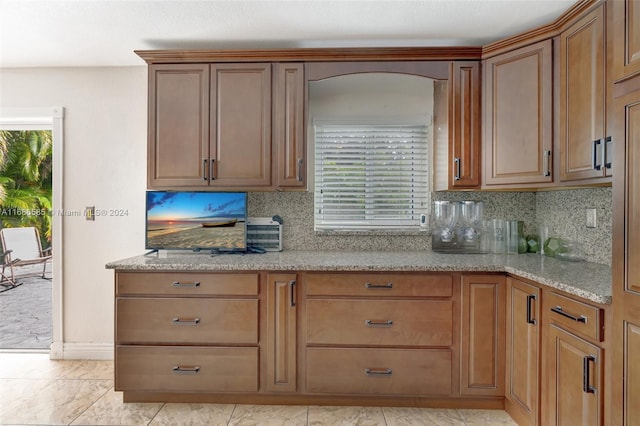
(21,247)
(7,280)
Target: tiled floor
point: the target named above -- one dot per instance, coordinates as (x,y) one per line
(37,391)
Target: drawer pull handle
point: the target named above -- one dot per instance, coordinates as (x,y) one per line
(387,285)
(178,369)
(190,321)
(558,310)
(373,323)
(530,298)
(378,372)
(586,386)
(194,284)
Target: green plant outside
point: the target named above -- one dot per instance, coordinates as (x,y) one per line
(26,180)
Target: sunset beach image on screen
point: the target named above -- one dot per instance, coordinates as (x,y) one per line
(196,220)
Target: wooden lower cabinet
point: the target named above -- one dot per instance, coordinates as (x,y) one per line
(483,330)
(575,372)
(523,352)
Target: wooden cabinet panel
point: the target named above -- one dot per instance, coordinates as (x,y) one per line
(583,99)
(186,369)
(523,351)
(240,125)
(379,285)
(281,333)
(288,124)
(182,320)
(626,261)
(575,388)
(624,20)
(379,371)
(464,124)
(517,116)
(384,322)
(186,284)
(178,125)
(483,330)
(578,317)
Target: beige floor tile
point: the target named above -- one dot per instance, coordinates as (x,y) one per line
(269,415)
(110,410)
(50,402)
(193,414)
(486,417)
(86,369)
(345,416)
(401,416)
(30,366)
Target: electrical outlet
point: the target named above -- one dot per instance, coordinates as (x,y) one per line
(591,218)
(90,213)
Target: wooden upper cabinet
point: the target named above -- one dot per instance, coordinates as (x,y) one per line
(210,126)
(624,21)
(178,125)
(464,124)
(288,124)
(585,150)
(240,117)
(517,116)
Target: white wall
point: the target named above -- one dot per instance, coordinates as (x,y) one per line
(105,130)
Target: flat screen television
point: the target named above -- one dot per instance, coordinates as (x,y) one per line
(196,220)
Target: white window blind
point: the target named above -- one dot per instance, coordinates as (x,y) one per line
(371,176)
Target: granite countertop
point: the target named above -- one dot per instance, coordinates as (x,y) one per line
(591,281)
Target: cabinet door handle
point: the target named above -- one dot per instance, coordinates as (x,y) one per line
(594,151)
(194,284)
(547,163)
(292,287)
(178,369)
(213,160)
(374,323)
(586,385)
(205,169)
(387,285)
(558,310)
(530,298)
(457,162)
(378,372)
(607,158)
(188,321)
(299,172)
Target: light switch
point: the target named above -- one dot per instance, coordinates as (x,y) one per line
(591,218)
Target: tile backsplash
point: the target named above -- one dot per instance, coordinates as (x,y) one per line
(564,211)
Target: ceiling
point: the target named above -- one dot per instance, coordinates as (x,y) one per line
(106,32)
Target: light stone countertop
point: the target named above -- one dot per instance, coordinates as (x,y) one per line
(591,281)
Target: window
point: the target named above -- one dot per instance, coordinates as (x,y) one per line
(371,176)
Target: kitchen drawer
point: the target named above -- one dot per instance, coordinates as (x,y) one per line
(185,284)
(575,316)
(379,322)
(380,285)
(186,320)
(379,371)
(186,369)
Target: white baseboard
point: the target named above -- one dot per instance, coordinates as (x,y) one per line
(99,351)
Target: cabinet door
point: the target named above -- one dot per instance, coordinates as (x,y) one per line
(626,262)
(178,146)
(240,125)
(518,116)
(523,351)
(464,125)
(281,333)
(574,368)
(583,99)
(288,124)
(483,331)
(624,21)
